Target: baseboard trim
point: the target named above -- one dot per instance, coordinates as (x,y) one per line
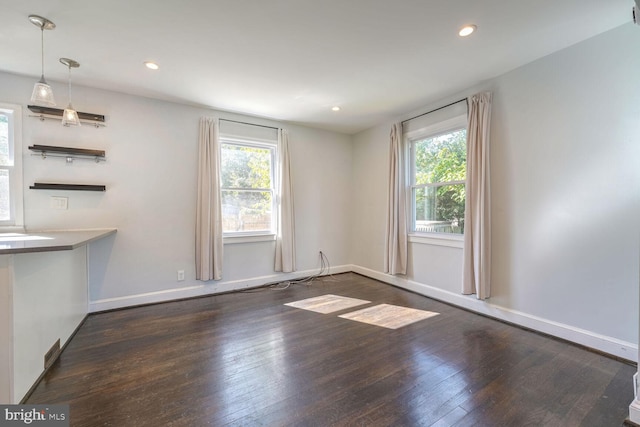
(634,414)
(203,288)
(618,348)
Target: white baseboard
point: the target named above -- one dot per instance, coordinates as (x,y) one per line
(202,288)
(609,345)
(634,412)
(613,346)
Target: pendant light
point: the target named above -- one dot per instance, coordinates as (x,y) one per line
(70,116)
(42,93)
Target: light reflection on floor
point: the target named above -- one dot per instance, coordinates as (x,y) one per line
(250,371)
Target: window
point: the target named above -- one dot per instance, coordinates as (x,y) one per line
(248,186)
(438,172)
(10,165)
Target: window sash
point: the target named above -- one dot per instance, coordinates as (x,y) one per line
(272,147)
(429,221)
(13,165)
(248,189)
(448,127)
(424,136)
(9,170)
(438,184)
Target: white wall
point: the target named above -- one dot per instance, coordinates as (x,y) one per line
(565,197)
(150,174)
(567,182)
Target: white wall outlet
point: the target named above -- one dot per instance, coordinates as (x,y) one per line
(61,203)
(180,275)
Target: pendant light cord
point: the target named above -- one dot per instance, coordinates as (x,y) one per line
(69,84)
(42,48)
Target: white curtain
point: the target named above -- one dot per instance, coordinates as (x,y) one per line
(285,236)
(209,205)
(395,259)
(477,216)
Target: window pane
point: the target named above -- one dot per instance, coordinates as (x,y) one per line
(245,167)
(5,210)
(5,160)
(440,209)
(441,158)
(246,210)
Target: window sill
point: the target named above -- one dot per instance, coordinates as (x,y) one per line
(12,229)
(232,240)
(438,239)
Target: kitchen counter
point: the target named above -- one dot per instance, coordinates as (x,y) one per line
(49,241)
(44,298)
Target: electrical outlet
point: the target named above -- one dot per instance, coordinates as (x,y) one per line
(180,275)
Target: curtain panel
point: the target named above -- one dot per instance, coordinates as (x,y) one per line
(395,259)
(209,205)
(285,234)
(477,216)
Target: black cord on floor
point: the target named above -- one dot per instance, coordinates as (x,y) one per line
(325,270)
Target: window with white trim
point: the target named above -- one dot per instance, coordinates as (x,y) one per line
(248,186)
(10,165)
(438,160)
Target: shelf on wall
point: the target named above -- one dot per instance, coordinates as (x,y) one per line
(43,113)
(73,187)
(68,152)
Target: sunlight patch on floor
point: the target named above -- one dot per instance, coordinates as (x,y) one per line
(389,316)
(327,303)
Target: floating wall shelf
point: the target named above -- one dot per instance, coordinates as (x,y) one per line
(43,113)
(69,153)
(73,187)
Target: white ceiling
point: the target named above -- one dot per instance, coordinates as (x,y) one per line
(292,60)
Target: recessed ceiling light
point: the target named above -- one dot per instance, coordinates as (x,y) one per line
(466,30)
(336,108)
(151,65)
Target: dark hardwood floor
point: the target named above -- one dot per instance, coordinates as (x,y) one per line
(245,359)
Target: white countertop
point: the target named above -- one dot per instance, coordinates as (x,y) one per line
(48,241)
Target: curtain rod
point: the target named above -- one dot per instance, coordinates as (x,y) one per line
(250,124)
(433,111)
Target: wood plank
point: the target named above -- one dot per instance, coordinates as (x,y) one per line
(67,150)
(58,112)
(71,187)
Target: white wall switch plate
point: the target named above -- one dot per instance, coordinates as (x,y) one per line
(180,275)
(59,203)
